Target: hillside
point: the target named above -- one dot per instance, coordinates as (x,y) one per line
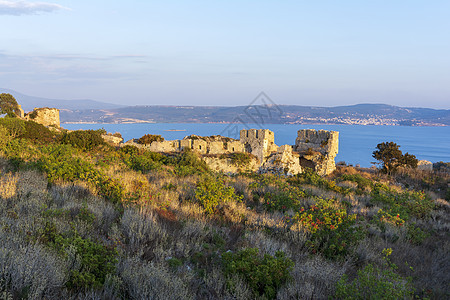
(81,219)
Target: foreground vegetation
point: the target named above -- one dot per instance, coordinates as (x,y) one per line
(80,219)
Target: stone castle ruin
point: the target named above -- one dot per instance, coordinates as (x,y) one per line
(45,116)
(313,149)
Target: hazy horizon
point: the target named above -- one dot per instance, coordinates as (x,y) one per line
(200,53)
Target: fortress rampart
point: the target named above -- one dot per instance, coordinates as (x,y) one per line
(313,149)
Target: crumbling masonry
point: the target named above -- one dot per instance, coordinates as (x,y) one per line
(315,149)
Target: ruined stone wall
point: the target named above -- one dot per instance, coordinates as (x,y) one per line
(202,146)
(44,116)
(317,149)
(259,142)
(314,149)
(21,112)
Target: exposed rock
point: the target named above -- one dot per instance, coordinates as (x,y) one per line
(283,162)
(45,116)
(111,139)
(425,165)
(225,164)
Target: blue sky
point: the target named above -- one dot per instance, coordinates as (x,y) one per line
(322,53)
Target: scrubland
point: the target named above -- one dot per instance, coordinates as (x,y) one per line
(80,219)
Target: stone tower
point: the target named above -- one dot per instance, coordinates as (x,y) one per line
(259,142)
(45,116)
(317,149)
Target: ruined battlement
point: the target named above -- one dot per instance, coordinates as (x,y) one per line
(259,142)
(315,149)
(202,145)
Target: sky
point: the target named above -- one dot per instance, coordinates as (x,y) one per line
(319,53)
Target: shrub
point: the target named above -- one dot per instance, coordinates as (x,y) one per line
(211,192)
(15,127)
(263,275)
(30,130)
(140,160)
(383,217)
(363,183)
(5,137)
(149,138)
(332,231)
(92,261)
(240,159)
(284,198)
(311,177)
(83,139)
(97,262)
(37,133)
(374,282)
(188,163)
(415,235)
(60,163)
(405,204)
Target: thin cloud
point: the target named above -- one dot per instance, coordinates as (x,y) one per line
(18,8)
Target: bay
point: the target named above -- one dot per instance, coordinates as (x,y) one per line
(356,142)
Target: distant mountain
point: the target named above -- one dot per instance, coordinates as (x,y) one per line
(30,102)
(363,114)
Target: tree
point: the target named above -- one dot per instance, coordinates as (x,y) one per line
(392,158)
(409,160)
(9,105)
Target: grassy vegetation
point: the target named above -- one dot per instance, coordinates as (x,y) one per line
(80,219)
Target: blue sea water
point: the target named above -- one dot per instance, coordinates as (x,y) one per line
(356,142)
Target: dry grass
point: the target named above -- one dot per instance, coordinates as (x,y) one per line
(165,223)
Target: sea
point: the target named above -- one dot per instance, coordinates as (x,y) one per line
(356,142)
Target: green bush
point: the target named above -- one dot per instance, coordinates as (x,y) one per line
(405,204)
(37,133)
(211,192)
(141,160)
(188,163)
(60,163)
(15,127)
(150,138)
(311,177)
(264,275)
(374,282)
(18,128)
(284,198)
(415,235)
(95,261)
(83,139)
(332,231)
(240,159)
(363,183)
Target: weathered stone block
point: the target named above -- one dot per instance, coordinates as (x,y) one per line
(45,116)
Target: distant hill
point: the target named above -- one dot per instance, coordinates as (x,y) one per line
(365,114)
(83,111)
(30,102)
